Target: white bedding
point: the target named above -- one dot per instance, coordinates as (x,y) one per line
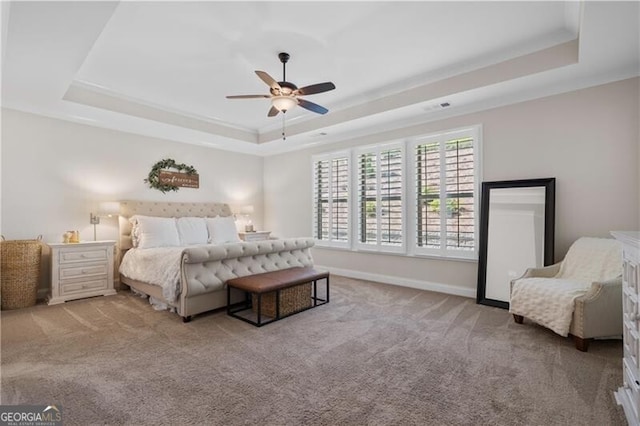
(159,266)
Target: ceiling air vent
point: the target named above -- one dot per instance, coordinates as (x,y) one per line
(437,107)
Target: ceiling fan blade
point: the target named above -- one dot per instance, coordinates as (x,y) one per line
(312,107)
(316,88)
(247,96)
(273,112)
(269,80)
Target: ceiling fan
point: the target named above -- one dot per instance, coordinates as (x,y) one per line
(286,95)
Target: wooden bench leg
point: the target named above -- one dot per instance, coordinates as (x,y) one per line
(315,293)
(327,288)
(258,308)
(581,344)
(519,319)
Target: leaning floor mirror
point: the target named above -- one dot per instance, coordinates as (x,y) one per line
(516,233)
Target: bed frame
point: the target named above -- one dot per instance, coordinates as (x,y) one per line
(204,271)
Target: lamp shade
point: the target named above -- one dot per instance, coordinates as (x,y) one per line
(284,103)
(247,210)
(109,208)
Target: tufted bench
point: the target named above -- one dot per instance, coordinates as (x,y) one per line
(289,291)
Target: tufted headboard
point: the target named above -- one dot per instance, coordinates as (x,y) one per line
(163,209)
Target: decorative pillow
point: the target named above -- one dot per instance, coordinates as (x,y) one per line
(222,230)
(192,230)
(155,231)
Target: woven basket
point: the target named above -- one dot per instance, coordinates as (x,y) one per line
(292,299)
(19,272)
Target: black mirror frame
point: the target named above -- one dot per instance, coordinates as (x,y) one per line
(549,229)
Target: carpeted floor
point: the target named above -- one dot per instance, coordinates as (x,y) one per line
(376,355)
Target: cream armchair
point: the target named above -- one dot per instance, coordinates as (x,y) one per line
(585,288)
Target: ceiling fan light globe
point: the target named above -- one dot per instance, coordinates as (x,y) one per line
(284,103)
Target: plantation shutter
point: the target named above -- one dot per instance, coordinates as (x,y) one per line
(460,184)
(321,200)
(340,199)
(445,185)
(429,225)
(331,199)
(380,197)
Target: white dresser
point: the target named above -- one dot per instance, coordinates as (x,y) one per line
(81,270)
(629,394)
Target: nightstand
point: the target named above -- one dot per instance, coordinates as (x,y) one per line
(81,270)
(254,236)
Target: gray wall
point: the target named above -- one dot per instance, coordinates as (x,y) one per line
(588,140)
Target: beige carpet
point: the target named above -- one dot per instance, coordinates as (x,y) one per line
(376,355)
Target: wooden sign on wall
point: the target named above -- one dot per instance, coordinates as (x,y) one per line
(163,179)
(182,180)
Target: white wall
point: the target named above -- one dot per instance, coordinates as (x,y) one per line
(587,139)
(54,173)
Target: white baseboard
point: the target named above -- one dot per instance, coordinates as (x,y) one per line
(404,282)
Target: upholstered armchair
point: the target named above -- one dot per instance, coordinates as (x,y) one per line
(581,296)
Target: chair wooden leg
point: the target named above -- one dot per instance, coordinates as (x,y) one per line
(519,319)
(581,344)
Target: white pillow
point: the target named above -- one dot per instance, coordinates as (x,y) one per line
(222,230)
(192,230)
(156,231)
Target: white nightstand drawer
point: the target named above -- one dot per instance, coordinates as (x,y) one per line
(91,270)
(630,344)
(254,236)
(81,270)
(81,286)
(630,309)
(72,256)
(632,386)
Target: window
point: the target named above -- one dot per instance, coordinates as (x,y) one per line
(380,197)
(445,187)
(419,197)
(331,224)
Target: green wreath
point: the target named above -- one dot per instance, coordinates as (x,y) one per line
(154,175)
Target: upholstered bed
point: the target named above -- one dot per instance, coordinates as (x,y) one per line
(205,268)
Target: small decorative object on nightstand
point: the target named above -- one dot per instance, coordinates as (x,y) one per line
(246,212)
(254,236)
(81,270)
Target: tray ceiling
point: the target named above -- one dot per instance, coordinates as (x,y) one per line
(164,68)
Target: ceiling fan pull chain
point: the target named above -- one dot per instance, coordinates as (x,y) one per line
(284,137)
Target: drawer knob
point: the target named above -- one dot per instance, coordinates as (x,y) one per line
(84,272)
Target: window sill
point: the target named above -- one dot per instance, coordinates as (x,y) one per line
(400,254)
